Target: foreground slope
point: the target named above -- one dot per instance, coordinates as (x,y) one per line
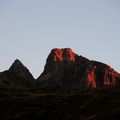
(66,69)
(60,104)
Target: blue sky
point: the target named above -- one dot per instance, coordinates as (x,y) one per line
(29,29)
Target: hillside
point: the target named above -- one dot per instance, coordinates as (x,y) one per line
(36,104)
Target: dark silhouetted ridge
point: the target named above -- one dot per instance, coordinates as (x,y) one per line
(17,76)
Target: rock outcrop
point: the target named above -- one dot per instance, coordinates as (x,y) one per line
(17,76)
(65,69)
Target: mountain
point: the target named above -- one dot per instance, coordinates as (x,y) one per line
(17,76)
(71,73)
(63,69)
(66,69)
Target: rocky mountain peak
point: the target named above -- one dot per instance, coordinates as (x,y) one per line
(17,64)
(18,69)
(64,68)
(64,54)
(17,76)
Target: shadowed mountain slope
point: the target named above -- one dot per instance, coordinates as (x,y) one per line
(17,76)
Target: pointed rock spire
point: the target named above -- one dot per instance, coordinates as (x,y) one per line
(17,64)
(17,76)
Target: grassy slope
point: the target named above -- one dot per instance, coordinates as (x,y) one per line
(34,104)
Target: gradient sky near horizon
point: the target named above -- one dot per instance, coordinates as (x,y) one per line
(29,29)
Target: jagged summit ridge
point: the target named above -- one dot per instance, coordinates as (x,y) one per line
(64,54)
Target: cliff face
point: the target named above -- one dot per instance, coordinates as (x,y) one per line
(17,76)
(66,69)
(101,75)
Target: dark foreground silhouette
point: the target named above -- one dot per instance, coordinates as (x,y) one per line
(35,104)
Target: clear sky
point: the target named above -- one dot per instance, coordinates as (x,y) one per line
(29,29)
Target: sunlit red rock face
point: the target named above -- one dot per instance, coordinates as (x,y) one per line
(62,55)
(99,74)
(91,77)
(64,68)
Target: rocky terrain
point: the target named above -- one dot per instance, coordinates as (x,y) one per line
(71,87)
